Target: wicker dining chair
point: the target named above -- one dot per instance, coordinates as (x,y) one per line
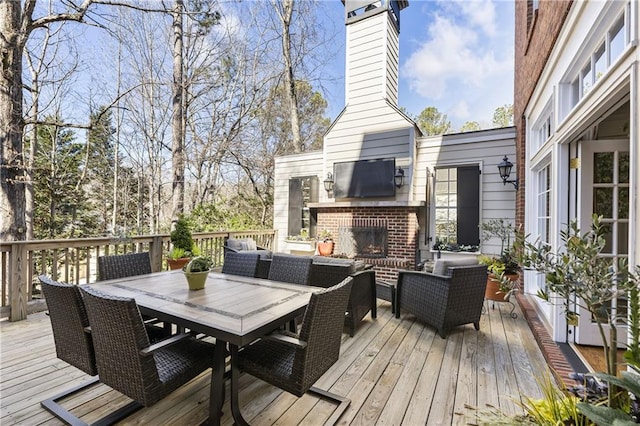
(123,265)
(245,264)
(443,301)
(294,362)
(74,345)
(290,268)
(127,361)
(128,265)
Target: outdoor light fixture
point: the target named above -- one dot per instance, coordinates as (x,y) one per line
(505,170)
(328,182)
(398,178)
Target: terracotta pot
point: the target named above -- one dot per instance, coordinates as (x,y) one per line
(493,287)
(325,248)
(177,263)
(196,280)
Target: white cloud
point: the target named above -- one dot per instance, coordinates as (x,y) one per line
(461,110)
(480,13)
(463,61)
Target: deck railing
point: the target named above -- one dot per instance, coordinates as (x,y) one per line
(75,261)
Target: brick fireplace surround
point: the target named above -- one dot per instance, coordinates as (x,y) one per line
(402,234)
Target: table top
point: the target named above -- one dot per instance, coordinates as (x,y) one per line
(232,308)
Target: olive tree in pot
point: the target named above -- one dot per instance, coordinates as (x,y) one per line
(580,273)
(196,271)
(503,271)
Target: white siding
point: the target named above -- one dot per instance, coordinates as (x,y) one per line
(286,167)
(372,60)
(485,148)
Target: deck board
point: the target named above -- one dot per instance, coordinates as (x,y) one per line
(395,371)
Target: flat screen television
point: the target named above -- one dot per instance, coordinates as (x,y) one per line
(364,178)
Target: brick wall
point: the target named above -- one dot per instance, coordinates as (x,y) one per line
(402,229)
(535,35)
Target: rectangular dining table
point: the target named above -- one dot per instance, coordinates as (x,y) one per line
(234,309)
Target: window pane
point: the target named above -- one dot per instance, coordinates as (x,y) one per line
(599,59)
(441,215)
(442,200)
(442,174)
(623,203)
(616,44)
(575,92)
(603,167)
(608,239)
(603,202)
(442,188)
(586,79)
(623,168)
(623,238)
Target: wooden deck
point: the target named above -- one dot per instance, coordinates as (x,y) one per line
(394,371)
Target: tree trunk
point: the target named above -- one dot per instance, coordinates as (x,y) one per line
(290,82)
(177,149)
(12,203)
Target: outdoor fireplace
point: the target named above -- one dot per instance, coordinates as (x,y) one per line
(368,240)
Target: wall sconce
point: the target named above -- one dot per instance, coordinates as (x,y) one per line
(328,182)
(398,178)
(505,170)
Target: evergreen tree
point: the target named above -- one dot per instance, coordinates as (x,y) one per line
(100,167)
(59,198)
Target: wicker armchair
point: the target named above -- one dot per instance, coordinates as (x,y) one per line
(290,268)
(443,301)
(363,292)
(245,264)
(127,361)
(73,345)
(294,362)
(122,266)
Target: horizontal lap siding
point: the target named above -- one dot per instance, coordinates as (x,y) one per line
(486,147)
(287,167)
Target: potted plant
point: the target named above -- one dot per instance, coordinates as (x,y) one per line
(325,243)
(302,243)
(182,245)
(503,273)
(503,270)
(196,271)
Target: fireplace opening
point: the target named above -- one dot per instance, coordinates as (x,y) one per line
(363,241)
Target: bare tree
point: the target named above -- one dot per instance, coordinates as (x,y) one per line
(17,22)
(177,147)
(284,10)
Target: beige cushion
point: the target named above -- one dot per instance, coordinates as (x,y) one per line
(442,265)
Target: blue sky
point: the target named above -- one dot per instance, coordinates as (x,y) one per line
(454,55)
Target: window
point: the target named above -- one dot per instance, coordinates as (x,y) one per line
(457,205)
(532,11)
(586,79)
(616,40)
(599,63)
(302,191)
(543,214)
(600,59)
(544,204)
